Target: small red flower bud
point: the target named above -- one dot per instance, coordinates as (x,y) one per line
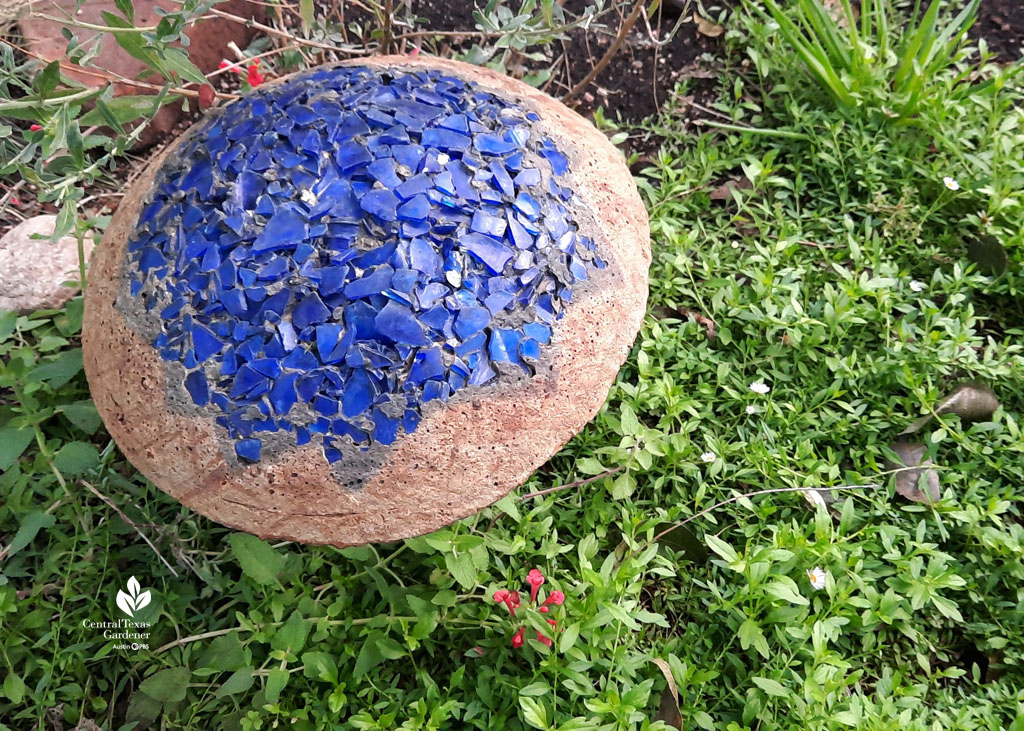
(535,578)
(552,622)
(512,602)
(517,638)
(224,63)
(556,597)
(543,638)
(255,78)
(543,610)
(35,127)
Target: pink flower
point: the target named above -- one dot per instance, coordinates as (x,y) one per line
(500,596)
(35,127)
(517,638)
(535,578)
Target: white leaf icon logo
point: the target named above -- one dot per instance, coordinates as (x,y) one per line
(134,600)
(125,603)
(142,600)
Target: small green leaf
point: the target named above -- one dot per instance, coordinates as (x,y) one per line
(277,679)
(224,653)
(14,687)
(83,414)
(176,60)
(390,649)
(534,712)
(319,666)
(771,687)
(12,444)
(368,658)
(786,589)
(238,682)
(623,486)
(47,79)
(31,524)
(569,637)
(259,561)
(58,371)
(720,547)
(292,636)
(76,458)
(461,567)
(167,686)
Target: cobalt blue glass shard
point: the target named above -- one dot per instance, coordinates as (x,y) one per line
(365,300)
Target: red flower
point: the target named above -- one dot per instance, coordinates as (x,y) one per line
(517,638)
(513,601)
(543,638)
(500,596)
(254,77)
(35,127)
(552,622)
(535,578)
(556,597)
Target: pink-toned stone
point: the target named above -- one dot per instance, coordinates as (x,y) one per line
(33,270)
(208,44)
(462,457)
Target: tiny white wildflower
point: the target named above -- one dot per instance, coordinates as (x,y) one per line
(735,244)
(916,286)
(708,457)
(751,409)
(760,387)
(984,217)
(951,183)
(308,197)
(817,577)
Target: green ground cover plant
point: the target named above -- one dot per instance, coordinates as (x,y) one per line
(813,293)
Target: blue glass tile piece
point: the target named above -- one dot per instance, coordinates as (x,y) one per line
(487,250)
(248,449)
(198,389)
(380,203)
(344,240)
(399,324)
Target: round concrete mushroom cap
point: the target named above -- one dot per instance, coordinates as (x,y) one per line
(462,457)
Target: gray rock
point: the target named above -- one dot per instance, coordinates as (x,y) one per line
(33,270)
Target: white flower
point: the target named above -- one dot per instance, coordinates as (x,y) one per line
(708,457)
(817,577)
(751,409)
(984,217)
(916,286)
(951,183)
(759,387)
(735,244)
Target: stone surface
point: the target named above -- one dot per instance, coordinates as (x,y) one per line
(408,440)
(208,41)
(33,270)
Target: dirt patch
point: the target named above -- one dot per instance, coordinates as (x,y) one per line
(1001,23)
(658,53)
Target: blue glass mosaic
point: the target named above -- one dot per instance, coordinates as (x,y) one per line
(328,255)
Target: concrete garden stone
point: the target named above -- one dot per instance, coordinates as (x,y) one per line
(367,300)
